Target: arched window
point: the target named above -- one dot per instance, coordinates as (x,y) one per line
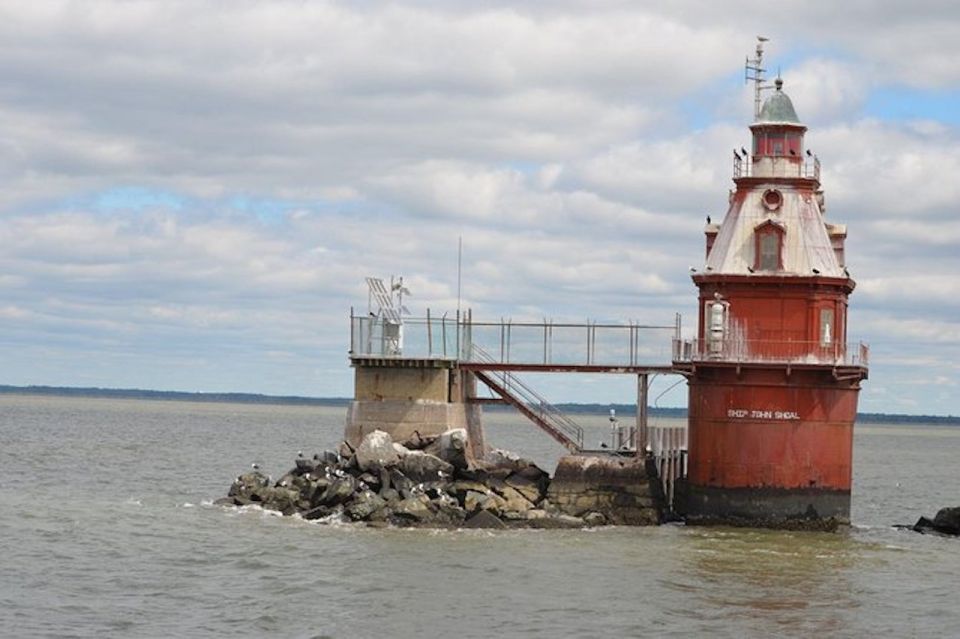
(768,246)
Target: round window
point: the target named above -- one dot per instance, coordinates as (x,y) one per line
(772,199)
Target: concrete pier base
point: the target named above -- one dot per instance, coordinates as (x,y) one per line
(401,419)
(406,396)
(621,489)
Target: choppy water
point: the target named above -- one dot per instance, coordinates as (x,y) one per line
(106,529)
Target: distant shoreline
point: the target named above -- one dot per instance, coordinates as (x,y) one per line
(623,410)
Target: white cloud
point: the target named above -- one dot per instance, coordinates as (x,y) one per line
(282,151)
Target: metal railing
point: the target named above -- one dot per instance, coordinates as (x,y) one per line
(508,342)
(538,407)
(774,351)
(430,337)
(564,344)
(776,166)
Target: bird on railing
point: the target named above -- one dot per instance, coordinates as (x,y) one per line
(744,151)
(809,154)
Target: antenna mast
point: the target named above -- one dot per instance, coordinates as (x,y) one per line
(753,70)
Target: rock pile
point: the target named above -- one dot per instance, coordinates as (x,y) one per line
(424,481)
(945,522)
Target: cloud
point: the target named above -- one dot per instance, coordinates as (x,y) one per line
(204,186)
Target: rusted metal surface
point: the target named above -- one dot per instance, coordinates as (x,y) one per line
(537,410)
(565,368)
(764,429)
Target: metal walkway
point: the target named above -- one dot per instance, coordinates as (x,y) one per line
(495,351)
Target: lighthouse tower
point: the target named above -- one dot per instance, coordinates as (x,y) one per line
(773,385)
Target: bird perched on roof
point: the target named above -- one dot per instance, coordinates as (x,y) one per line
(708,219)
(816,272)
(255,466)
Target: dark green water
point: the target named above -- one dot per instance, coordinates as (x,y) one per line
(107,530)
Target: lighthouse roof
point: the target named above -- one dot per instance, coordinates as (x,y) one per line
(778,108)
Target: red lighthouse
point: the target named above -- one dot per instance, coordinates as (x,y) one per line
(772,383)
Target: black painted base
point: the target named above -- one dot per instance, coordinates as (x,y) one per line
(807,509)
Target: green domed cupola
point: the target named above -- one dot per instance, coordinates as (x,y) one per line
(778,107)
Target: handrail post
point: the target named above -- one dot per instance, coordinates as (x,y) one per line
(641,434)
(429,336)
(501,339)
(544,341)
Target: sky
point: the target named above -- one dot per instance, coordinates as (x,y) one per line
(194,191)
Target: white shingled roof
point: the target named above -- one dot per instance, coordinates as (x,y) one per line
(806,241)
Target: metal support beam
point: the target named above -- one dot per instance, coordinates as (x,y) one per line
(643,387)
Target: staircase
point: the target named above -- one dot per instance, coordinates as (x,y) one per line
(534,407)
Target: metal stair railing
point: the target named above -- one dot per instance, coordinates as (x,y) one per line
(531,403)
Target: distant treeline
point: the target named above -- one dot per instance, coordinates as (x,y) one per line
(623,410)
(135,393)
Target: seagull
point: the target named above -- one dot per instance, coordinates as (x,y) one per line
(709,268)
(816,272)
(744,151)
(792,152)
(846,272)
(299,454)
(809,154)
(750,268)
(693,270)
(255,466)
(736,155)
(708,219)
(604,445)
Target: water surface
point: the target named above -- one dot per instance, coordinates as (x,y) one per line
(107,530)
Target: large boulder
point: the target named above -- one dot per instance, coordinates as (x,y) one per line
(418,441)
(451,447)
(476,501)
(366,505)
(534,491)
(423,467)
(514,501)
(414,510)
(247,486)
(484,519)
(340,490)
(280,498)
(376,451)
(947,520)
